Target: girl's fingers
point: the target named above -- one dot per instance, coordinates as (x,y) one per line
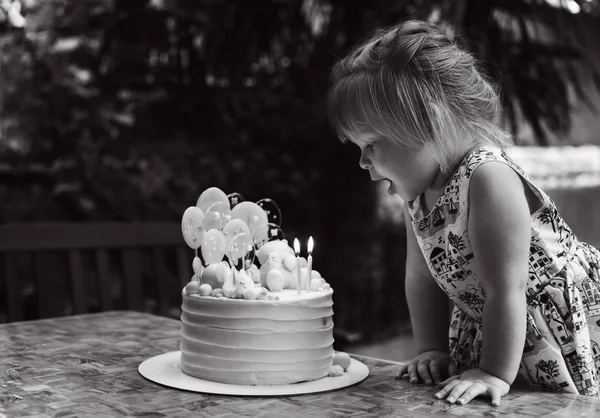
(450,379)
(401,371)
(449,385)
(430,371)
(458,390)
(471,392)
(413,376)
(423,369)
(434,369)
(496,395)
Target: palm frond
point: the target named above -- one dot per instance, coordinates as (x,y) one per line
(537,54)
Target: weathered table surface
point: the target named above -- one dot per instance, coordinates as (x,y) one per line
(87,366)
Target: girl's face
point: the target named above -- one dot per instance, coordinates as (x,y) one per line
(410,171)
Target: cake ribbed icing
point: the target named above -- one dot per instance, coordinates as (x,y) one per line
(258,342)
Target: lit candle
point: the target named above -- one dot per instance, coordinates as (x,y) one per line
(297,252)
(311,244)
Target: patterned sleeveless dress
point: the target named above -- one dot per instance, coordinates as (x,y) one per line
(562,349)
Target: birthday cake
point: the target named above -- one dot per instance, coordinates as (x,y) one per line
(254,312)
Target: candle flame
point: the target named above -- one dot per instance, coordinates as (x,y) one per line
(296,246)
(311,243)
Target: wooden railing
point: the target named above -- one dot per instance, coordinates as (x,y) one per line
(70,268)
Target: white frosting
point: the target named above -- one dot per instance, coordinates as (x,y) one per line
(258,342)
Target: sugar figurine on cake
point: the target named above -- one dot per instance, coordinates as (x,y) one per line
(254,312)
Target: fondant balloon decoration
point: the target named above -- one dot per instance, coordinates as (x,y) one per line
(253,215)
(213,246)
(192,223)
(241,251)
(266,233)
(211,196)
(217,215)
(271,209)
(235,198)
(232,228)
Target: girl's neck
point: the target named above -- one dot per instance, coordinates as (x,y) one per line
(439,181)
(437,187)
(431,195)
(442,177)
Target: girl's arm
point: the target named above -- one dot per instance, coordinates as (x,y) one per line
(500,232)
(427,303)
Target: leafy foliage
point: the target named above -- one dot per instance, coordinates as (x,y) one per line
(127,109)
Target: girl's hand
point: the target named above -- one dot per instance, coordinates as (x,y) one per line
(431,367)
(472,383)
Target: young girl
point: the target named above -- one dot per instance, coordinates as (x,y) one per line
(525,292)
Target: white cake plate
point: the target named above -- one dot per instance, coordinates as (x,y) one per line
(164,369)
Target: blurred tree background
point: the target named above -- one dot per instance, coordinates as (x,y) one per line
(126,110)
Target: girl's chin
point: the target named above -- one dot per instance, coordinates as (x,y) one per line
(406,195)
(394,191)
(391,188)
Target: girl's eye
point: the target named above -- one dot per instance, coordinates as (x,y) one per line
(371,145)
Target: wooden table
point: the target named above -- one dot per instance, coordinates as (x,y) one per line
(86,365)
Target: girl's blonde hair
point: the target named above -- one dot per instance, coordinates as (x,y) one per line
(412,84)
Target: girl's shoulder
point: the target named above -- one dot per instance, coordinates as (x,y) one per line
(496,177)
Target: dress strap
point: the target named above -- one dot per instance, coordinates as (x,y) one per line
(487,154)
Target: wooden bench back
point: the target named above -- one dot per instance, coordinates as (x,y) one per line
(61,267)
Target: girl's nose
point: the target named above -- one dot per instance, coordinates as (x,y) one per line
(364,162)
